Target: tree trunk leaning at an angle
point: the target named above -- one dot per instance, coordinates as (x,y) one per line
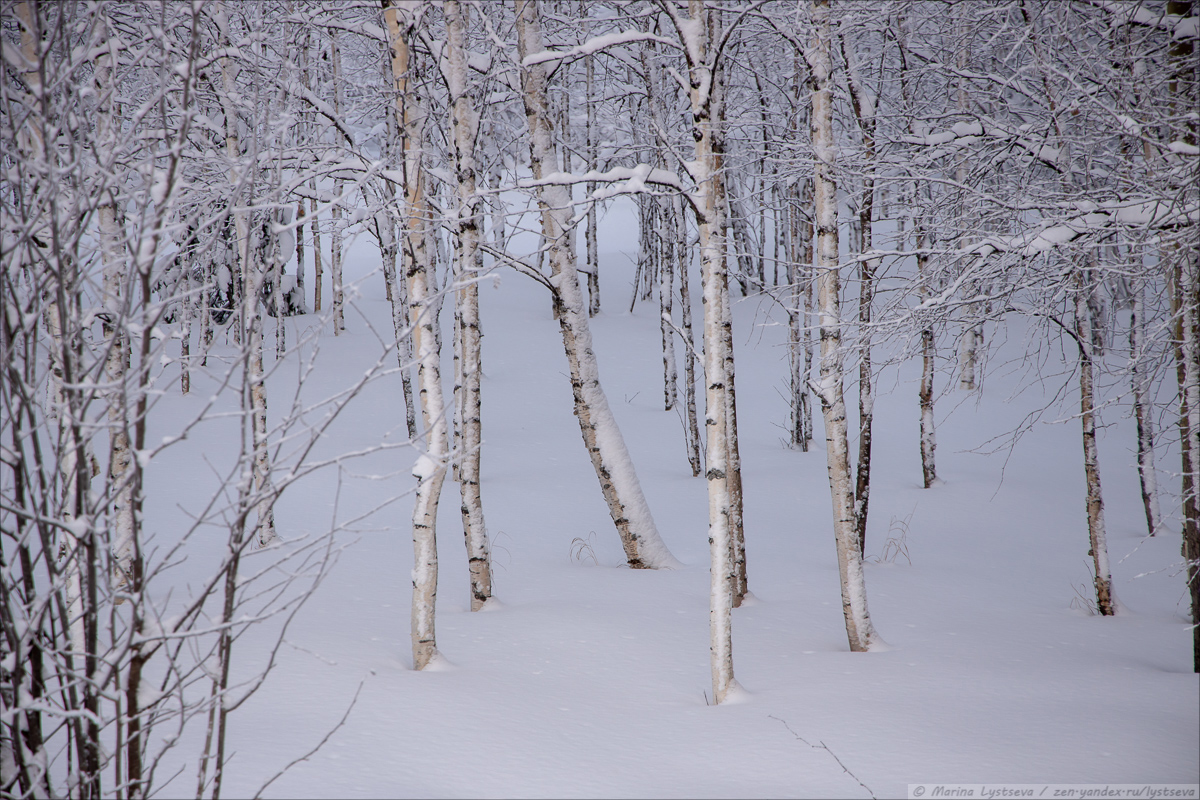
(430,469)
(859,630)
(465,127)
(1102,576)
(644,548)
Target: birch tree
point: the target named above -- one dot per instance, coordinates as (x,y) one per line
(859,629)
(468,268)
(430,469)
(622,491)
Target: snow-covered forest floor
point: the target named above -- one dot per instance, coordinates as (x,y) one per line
(587,679)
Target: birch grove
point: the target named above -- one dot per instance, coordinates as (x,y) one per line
(907,189)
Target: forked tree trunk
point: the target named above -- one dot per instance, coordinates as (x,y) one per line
(644,548)
(859,630)
(468,264)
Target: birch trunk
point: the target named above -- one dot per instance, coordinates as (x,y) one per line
(691,423)
(1186,301)
(928,438)
(708,201)
(1147,471)
(666,295)
(925,393)
(116,309)
(859,630)
(627,505)
(250,321)
(864,112)
(1187,353)
(969,345)
(593,249)
(430,469)
(1091,460)
(335,228)
(465,127)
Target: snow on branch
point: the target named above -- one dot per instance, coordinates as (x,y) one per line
(1098,219)
(1178,26)
(630,180)
(595,45)
(962,133)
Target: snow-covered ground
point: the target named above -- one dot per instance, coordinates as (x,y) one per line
(587,679)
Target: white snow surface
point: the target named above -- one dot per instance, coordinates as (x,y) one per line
(587,679)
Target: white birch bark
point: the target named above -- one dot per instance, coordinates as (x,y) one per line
(859,629)
(250,321)
(430,469)
(116,307)
(695,32)
(593,248)
(468,264)
(1147,471)
(644,548)
(691,423)
(969,344)
(1097,537)
(335,228)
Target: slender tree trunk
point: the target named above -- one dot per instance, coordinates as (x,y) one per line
(249,319)
(1091,461)
(969,345)
(1182,88)
(318,264)
(627,505)
(691,423)
(1147,472)
(666,295)
(928,439)
(116,309)
(593,250)
(859,630)
(925,394)
(430,469)
(335,228)
(701,31)
(465,126)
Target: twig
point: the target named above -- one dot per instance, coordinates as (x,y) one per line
(319,745)
(825,747)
